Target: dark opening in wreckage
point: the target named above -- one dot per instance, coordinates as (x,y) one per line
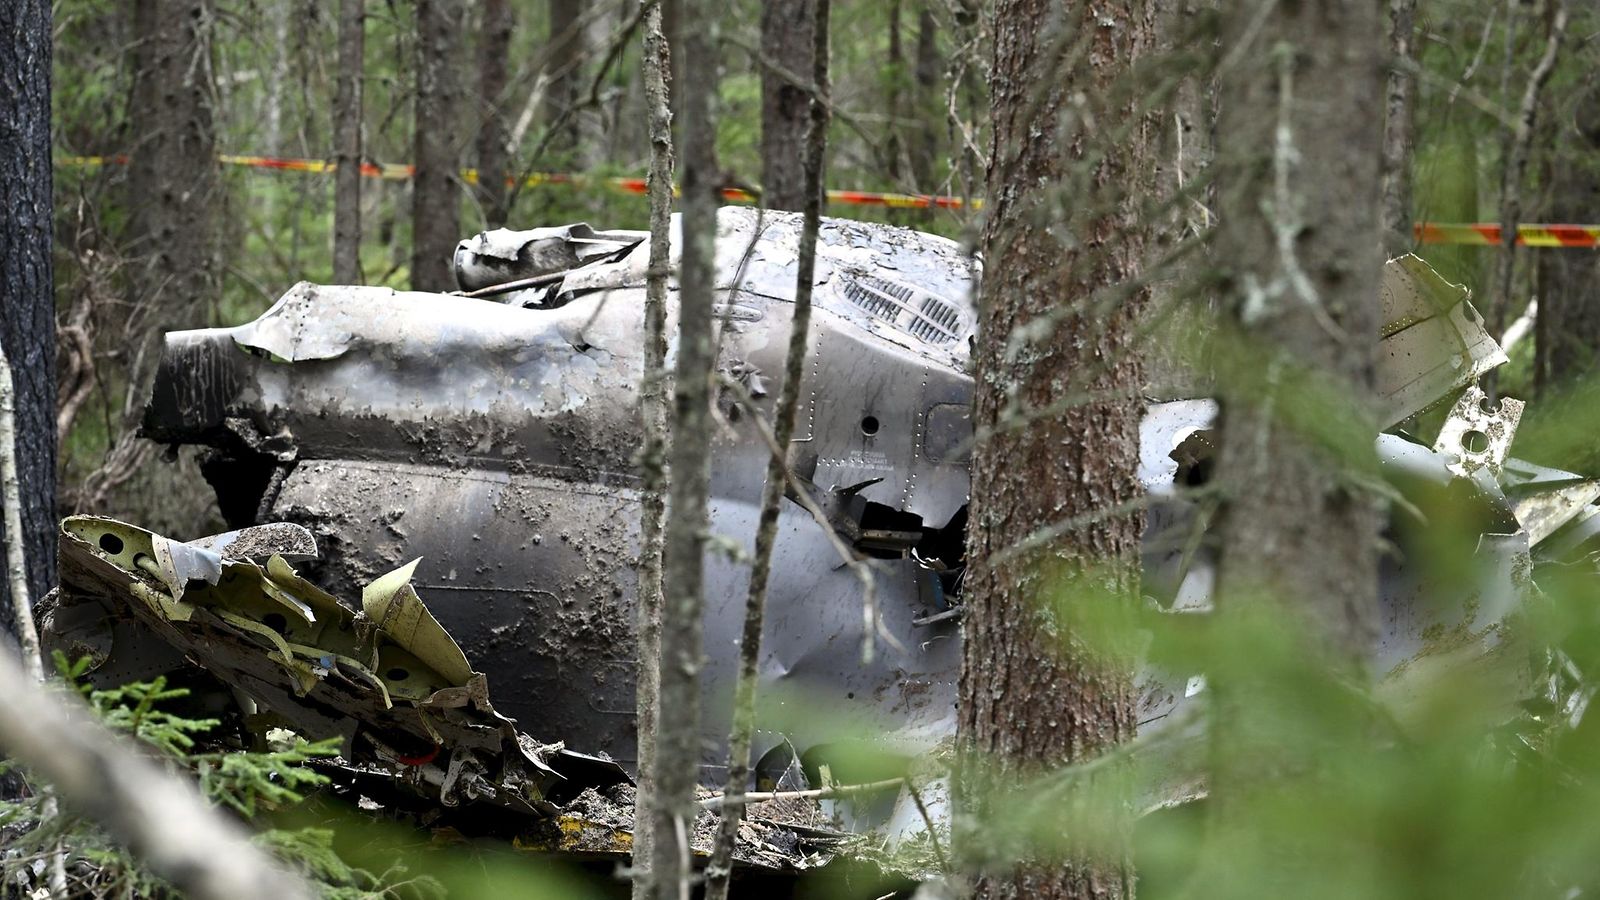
(438,514)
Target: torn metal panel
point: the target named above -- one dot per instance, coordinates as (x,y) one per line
(510,469)
(1433,341)
(413,717)
(502,255)
(1478,435)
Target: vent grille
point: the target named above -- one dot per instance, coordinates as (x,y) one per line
(926,317)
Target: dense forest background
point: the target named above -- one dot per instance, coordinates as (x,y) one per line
(1159,188)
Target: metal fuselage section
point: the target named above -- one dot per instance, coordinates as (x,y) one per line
(498,443)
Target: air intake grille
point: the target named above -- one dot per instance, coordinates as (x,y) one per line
(926,317)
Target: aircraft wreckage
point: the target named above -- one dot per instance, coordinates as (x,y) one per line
(437,501)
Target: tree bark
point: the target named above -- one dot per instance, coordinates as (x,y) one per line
(925,82)
(347,142)
(786,40)
(494,152)
(1399,129)
(653,456)
(27,305)
(1034,694)
(172,178)
(720,870)
(1515,164)
(1300,232)
(678,719)
(564,65)
(1568,324)
(435,200)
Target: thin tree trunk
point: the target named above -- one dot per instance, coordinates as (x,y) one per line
(347,141)
(720,869)
(15,536)
(1399,127)
(1515,165)
(653,457)
(494,151)
(895,73)
(1032,695)
(1568,324)
(786,42)
(678,718)
(923,149)
(564,65)
(27,305)
(435,201)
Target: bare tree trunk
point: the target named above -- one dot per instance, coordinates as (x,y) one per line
(895,75)
(435,200)
(720,869)
(926,92)
(347,141)
(678,719)
(494,151)
(1032,694)
(653,456)
(786,41)
(1515,165)
(1399,126)
(172,179)
(564,64)
(1568,324)
(27,305)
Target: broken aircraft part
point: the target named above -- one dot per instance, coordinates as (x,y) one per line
(494,438)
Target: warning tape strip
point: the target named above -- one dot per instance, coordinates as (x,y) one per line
(1527,235)
(1481,234)
(403,172)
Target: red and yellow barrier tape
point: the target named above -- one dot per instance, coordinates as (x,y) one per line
(1482,234)
(1527,235)
(402,172)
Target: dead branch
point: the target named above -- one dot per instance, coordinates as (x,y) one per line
(717,801)
(1511,177)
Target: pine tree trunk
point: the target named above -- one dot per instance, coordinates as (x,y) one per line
(1298,147)
(172,179)
(27,307)
(923,147)
(564,65)
(435,201)
(347,143)
(1399,126)
(1569,278)
(493,153)
(1032,695)
(785,42)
